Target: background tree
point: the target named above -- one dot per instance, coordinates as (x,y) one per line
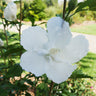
(50,2)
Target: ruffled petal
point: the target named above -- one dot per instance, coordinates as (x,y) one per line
(59,33)
(33,38)
(77,49)
(33,62)
(10,11)
(53,25)
(59,72)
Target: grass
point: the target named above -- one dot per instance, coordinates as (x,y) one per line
(88,64)
(88,29)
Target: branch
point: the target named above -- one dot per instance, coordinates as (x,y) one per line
(64,9)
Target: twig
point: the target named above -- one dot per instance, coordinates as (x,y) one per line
(51,87)
(20,19)
(64,9)
(3,57)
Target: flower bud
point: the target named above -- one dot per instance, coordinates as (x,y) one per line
(10,11)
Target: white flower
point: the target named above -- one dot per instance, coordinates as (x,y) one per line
(10,11)
(54,52)
(1,43)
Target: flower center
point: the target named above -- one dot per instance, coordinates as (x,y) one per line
(52,54)
(53,51)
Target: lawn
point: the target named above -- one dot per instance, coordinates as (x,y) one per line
(86,29)
(88,64)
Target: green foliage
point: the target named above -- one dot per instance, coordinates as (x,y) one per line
(84,16)
(90,3)
(72,5)
(88,29)
(72,87)
(34,11)
(15,70)
(42,89)
(50,11)
(50,2)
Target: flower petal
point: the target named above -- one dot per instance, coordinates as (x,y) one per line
(53,25)
(59,72)
(33,38)
(10,11)
(77,49)
(59,33)
(33,62)
(1,43)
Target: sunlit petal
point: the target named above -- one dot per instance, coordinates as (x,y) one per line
(77,49)
(59,72)
(33,62)
(59,33)
(33,38)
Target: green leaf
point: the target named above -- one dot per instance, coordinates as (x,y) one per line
(27,94)
(79,74)
(86,5)
(72,5)
(91,4)
(3,92)
(42,89)
(14,50)
(14,70)
(19,85)
(81,7)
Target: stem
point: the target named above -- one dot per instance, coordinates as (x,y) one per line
(6,36)
(5,33)
(3,57)
(51,87)
(17,27)
(20,32)
(64,9)
(67,15)
(20,19)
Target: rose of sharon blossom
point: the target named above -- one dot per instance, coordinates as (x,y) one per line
(54,52)
(1,43)
(10,11)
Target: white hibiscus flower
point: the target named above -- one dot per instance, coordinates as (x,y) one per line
(52,53)
(10,11)
(1,43)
